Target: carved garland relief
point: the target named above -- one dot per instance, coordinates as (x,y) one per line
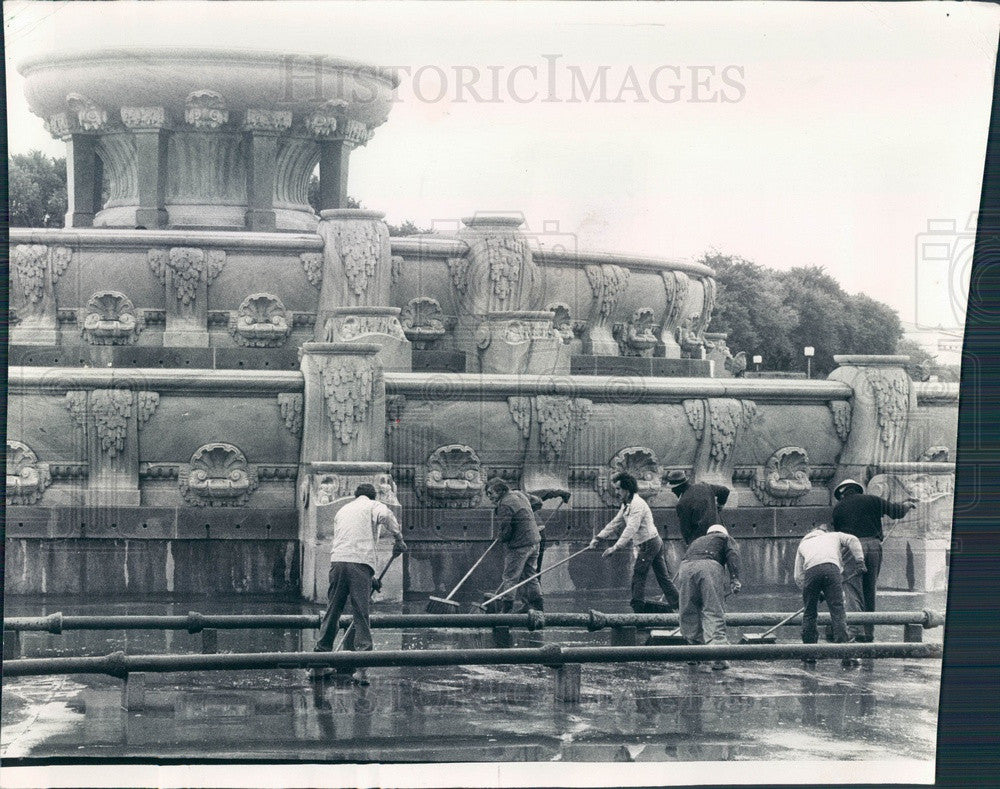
(348,389)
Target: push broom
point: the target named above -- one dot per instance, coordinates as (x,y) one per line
(445,605)
(483,605)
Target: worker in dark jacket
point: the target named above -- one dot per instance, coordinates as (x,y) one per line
(518,531)
(709,570)
(860,514)
(698,504)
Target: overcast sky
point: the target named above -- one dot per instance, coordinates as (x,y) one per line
(818,134)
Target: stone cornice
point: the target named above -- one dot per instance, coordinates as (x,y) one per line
(57,380)
(82,238)
(617,389)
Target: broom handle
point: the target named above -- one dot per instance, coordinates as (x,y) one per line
(784,621)
(350,627)
(532,577)
(471,569)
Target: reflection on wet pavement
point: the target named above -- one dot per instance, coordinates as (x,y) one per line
(627,712)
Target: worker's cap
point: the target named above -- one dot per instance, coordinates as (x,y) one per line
(843,487)
(676,478)
(718,528)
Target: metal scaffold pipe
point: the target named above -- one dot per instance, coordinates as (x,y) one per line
(195,622)
(120,665)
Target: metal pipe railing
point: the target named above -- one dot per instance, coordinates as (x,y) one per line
(121,665)
(195,622)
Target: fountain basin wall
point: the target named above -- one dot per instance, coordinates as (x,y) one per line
(190,289)
(105,493)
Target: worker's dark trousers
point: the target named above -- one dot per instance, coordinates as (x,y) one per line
(859,590)
(652,555)
(349,581)
(823,579)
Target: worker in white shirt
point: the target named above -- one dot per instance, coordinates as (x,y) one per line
(634,524)
(356,529)
(818,570)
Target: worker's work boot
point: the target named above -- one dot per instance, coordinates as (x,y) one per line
(720,665)
(360,676)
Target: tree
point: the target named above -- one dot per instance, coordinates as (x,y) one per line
(750,308)
(778,314)
(36,189)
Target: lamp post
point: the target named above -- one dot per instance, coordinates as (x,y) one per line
(809,352)
(757,360)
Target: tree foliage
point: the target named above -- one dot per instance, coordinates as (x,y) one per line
(36,188)
(779,313)
(407,228)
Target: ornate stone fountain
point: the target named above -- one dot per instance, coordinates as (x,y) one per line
(200,376)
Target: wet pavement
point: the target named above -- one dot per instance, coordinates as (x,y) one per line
(642,712)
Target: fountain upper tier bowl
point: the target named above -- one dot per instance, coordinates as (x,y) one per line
(166,77)
(188,138)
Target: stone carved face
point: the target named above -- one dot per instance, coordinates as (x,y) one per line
(218,475)
(454,472)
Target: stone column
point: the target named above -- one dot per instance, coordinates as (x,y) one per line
(343,441)
(338,138)
(147,125)
(354,296)
(262,127)
(879,413)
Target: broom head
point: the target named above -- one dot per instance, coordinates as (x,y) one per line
(440,605)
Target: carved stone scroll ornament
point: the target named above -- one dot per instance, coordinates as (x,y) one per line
(205,109)
(784,478)
(695,412)
(89,115)
(520,411)
(557,416)
(348,390)
(217,476)
(31,263)
(841,410)
(27,478)
(891,403)
(641,463)
(260,322)
(290,404)
(110,319)
(190,267)
(111,410)
(312,263)
(452,477)
(345,327)
(423,322)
